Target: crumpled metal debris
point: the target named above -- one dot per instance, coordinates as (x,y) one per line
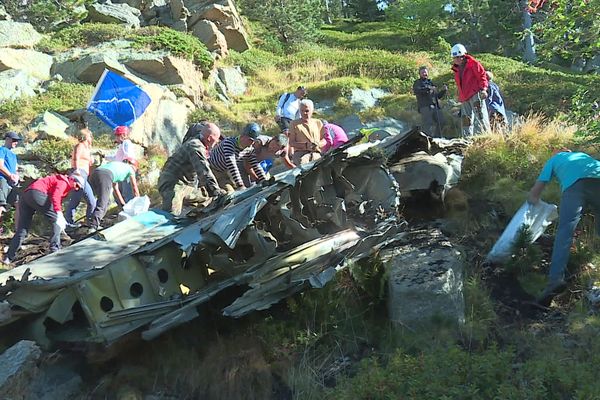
(151,272)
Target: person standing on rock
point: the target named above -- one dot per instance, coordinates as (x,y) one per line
(579,177)
(45,196)
(472,85)
(428,104)
(287,108)
(9,178)
(104,180)
(495,103)
(306,135)
(81,161)
(228,157)
(187,176)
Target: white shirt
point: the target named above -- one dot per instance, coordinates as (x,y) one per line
(125,150)
(288,108)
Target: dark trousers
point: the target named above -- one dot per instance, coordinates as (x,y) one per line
(432,120)
(101,181)
(33,201)
(75,199)
(284,123)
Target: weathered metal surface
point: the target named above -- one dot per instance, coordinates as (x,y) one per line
(151,272)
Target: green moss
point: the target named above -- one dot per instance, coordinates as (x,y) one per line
(59,97)
(84,35)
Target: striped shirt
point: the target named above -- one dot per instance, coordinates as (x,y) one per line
(226,156)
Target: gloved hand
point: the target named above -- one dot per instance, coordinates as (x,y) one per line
(61,222)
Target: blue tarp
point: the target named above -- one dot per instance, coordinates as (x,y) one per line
(118,101)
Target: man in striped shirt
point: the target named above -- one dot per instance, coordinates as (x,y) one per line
(228,157)
(186,176)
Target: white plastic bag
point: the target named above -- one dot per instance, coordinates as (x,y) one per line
(61,221)
(135,206)
(537,217)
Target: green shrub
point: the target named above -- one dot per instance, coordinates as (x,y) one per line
(54,152)
(84,35)
(180,44)
(59,97)
(253,60)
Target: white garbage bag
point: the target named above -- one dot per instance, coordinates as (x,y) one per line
(135,206)
(536,217)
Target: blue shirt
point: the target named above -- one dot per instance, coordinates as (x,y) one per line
(569,167)
(494,101)
(10,161)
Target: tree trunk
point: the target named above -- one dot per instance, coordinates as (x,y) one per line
(328,19)
(528,40)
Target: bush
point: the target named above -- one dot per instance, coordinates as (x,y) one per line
(84,35)
(177,43)
(59,97)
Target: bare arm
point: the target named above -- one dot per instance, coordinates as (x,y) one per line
(536,192)
(7,173)
(118,194)
(134,185)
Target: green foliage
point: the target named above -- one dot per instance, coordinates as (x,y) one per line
(585,112)
(526,254)
(180,44)
(553,371)
(570,31)
(54,152)
(293,21)
(253,60)
(84,35)
(47,15)
(59,97)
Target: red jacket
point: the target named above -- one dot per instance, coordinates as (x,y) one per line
(473,79)
(57,187)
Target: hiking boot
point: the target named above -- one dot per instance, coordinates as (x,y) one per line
(72,226)
(93,229)
(551,290)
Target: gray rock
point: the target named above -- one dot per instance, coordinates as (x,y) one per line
(4,16)
(18,34)
(234,80)
(363,99)
(208,33)
(391,125)
(422,171)
(324,107)
(50,124)
(15,84)
(88,67)
(33,62)
(425,279)
(18,367)
(114,14)
(236,38)
(164,121)
(29,171)
(139,4)
(178,10)
(351,123)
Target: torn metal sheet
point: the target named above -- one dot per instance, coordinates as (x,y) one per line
(150,273)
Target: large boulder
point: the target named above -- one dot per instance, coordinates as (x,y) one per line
(362,99)
(208,33)
(234,80)
(110,13)
(18,367)
(164,121)
(88,66)
(15,84)
(166,70)
(33,62)
(225,16)
(50,124)
(18,34)
(425,279)
(424,172)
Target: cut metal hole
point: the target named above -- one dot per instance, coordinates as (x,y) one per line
(136,289)
(163,275)
(106,304)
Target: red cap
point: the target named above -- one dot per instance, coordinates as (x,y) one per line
(121,130)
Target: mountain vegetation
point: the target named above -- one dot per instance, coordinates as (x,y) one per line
(336,342)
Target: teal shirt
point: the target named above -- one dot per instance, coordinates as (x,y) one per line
(120,170)
(569,167)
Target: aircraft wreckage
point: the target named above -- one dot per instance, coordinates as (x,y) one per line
(152,272)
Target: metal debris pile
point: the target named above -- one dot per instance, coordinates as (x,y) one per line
(151,272)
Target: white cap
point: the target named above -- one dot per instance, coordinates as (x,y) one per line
(458,50)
